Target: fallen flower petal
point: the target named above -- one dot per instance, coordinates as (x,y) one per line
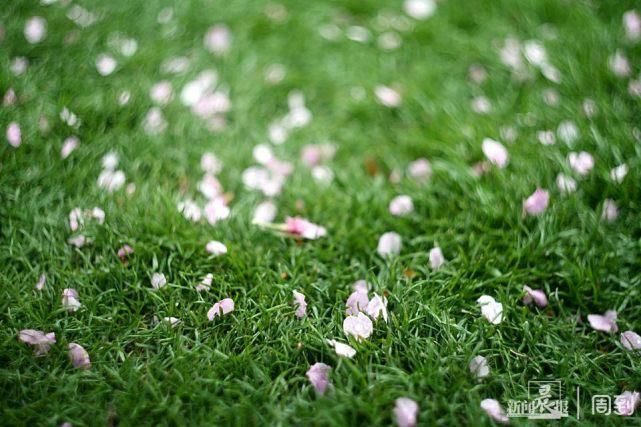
(581,162)
(494,410)
(216,248)
(40,285)
(69,146)
(265,213)
(436,258)
(79,356)
(537,202)
(406,412)
(401,205)
(631,340)
(376,307)
(357,301)
(389,244)
(537,296)
(605,322)
(610,210)
(490,309)
(420,170)
(71,300)
(342,349)
(221,308)
(173,321)
(627,402)
(565,184)
(158,280)
(14,136)
(317,375)
(300,227)
(618,173)
(479,367)
(124,252)
(388,96)
(205,284)
(495,152)
(299,300)
(359,326)
(42,342)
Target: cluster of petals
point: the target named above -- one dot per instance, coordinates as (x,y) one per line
(491,309)
(221,308)
(40,341)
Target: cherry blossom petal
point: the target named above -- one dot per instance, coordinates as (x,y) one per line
(317,375)
(479,367)
(39,340)
(357,301)
(14,135)
(216,210)
(490,309)
(437,260)
(106,64)
(581,162)
(218,39)
(495,152)
(210,164)
(265,213)
(618,173)
(389,244)
(359,326)
(605,322)
(35,30)
(69,145)
(124,252)
(221,308)
(205,284)
(627,402)
(405,412)
(494,410)
(79,356)
(420,170)
(161,93)
(419,9)
(610,210)
(190,210)
(568,132)
(300,227)
(565,184)
(216,248)
(631,340)
(537,202)
(401,205)
(40,285)
(376,307)
(341,349)
(388,96)
(173,321)
(632,25)
(299,300)
(534,295)
(158,280)
(71,300)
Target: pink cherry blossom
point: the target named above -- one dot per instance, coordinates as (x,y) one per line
(357,301)
(389,244)
(479,367)
(405,412)
(299,300)
(71,300)
(627,402)
(35,30)
(376,307)
(216,210)
(154,122)
(546,137)
(14,135)
(300,227)
(210,164)
(359,326)
(69,145)
(494,410)
(631,340)
(111,180)
(620,65)
(216,248)
(401,205)
(39,340)
(581,162)
(604,323)
(9,98)
(437,260)
(610,210)
(317,375)
(490,309)
(218,39)
(534,295)
(495,152)
(124,252)
(537,202)
(341,349)
(420,170)
(79,356)
(387,96)
(221,308)
(481,105)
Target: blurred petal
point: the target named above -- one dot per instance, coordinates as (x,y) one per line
(479,367)
(79,356)
(221,308)
(389,244)
(537,202)
(406,412)
(342,349)
(70,300)
(493,409)
(376,307)
(401,205)
(158,280)
(299,300)
(436,258)
(317,375)
(490,309)
(604,323)
(359,326)
(495,152)
(627,402)
(39,340)
(537,296)
(216,248)
(631,340)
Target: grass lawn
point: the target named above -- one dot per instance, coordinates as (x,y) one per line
(382,84)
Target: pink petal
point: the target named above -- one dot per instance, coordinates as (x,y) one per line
(493,409)
(537,296)
(70,299)
(41,282)
(582,162)
(610,210)
(357,301)
(376,307)
(79,356)
(300,227)
(388,96)
(221,308)
(342,349)
(495,152)
(537,202)
(216,248)
(436,258)
(218,39)
(389,244)
(405,411)
(420,170)
(69,146)
(631,340)
(604,323)
(359,326)
(627,402)
(317,375)
(124,252)
(401,205)
(42,342)
(14,136)
(299,299)
(490,309)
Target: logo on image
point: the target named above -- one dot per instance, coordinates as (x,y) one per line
(545,402)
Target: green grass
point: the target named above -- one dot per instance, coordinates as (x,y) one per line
(248,368)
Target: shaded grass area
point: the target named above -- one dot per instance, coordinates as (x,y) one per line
(249,367)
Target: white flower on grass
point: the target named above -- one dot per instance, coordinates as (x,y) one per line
(490,309)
